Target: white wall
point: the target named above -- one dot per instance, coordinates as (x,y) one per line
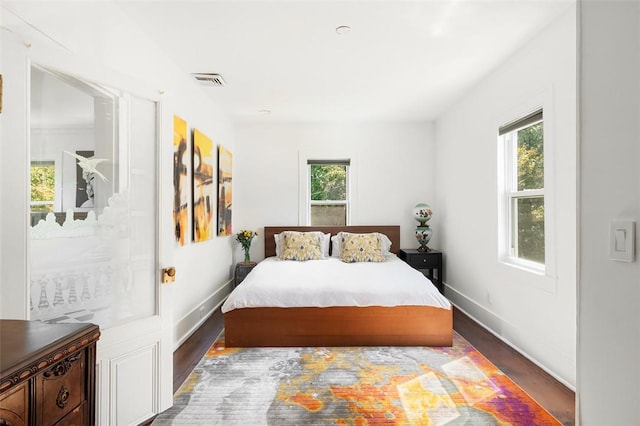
(97,42)
(609,291)
(534,313)
(395,169)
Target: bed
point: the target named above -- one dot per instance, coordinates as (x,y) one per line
(334,325)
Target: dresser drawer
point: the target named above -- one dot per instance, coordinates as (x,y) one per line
(61,388)
(77,417)
(424,261)
(14,406)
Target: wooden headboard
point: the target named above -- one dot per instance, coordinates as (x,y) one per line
(391,231)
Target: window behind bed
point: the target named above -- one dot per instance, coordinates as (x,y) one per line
(328,203)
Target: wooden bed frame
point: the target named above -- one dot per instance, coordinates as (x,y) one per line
(338,326)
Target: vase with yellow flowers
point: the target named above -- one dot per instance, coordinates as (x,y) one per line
(244,237)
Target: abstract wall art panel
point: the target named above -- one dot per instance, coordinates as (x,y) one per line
(203,187)
(180,181)
(225,162)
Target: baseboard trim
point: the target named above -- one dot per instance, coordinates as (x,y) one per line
(474,310)
(189,324)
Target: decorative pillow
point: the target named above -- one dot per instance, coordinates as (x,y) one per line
(361,247)
(324,243)
(300,246)
(336,250)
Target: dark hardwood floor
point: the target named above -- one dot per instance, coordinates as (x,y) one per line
(193,349)
(551,394)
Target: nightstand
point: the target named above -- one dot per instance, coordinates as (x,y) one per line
(242,270)
(428,260)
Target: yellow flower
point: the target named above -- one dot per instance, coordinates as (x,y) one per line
(245,236)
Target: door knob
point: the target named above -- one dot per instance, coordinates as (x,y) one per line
(168,275)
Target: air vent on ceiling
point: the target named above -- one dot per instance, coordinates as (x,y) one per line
(209,79)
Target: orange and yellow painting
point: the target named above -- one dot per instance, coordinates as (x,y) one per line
(225,162)
(180,180)
(203,188)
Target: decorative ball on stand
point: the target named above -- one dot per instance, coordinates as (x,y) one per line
(422,213)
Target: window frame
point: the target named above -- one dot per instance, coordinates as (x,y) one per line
(510,193)
(328,156)
(345,202)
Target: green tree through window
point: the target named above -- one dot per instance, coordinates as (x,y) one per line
(328,193)
(42,186)
(530,177)
(531,158)
(328,182)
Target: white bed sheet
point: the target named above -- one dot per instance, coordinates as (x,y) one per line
(331,282)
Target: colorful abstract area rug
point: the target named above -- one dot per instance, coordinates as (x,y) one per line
(351,386)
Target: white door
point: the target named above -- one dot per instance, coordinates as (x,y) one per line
(98,260)
(87,156)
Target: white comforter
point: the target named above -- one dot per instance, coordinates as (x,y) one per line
(331,282)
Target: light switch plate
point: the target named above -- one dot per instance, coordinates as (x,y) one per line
(622,236)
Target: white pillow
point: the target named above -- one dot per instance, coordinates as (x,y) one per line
(325,239)
(386,244)
(336,251)
(276,237)
(326,242)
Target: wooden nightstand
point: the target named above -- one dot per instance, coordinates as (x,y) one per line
(242,270)
(429,260)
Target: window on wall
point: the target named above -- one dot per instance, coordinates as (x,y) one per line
(43,186)
(328,192)
(523,142)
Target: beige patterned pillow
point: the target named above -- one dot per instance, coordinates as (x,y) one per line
(300,246)
(361,247)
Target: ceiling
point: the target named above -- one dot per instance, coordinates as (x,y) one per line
(401,61)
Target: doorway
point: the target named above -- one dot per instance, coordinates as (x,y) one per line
(93,233)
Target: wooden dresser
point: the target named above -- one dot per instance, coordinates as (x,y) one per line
(47,373)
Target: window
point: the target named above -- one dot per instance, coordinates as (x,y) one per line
(43,186)
(523,143)
(328,192)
